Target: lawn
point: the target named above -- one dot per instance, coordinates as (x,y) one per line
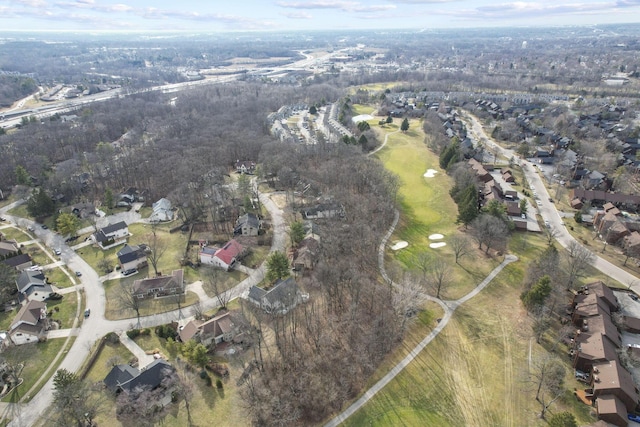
(103,363)
(359,109)
(426,209)
(16,234)
(37,358)
(63,310)
(58,277)
(21,211)
(208,403)
(476,371)
(116,310)
(227,280)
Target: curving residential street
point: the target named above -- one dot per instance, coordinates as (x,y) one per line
(548,210)
(96,326)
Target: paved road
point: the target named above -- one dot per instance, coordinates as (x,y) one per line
(96,326)
(548,209)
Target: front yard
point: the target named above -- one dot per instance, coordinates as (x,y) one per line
(116,309)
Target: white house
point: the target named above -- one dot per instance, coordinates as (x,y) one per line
(30,324)
(112,235)
(224,257)
(33,286)
(247,225)
(132,257)
(162,211)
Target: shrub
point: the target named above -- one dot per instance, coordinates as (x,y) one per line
(133,333)
(166,332)
(203,374)
(145,331)
(112,338)
(219,384)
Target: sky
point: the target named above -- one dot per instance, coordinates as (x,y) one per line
(282,15)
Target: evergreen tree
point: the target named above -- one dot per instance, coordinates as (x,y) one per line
(277,266)
(405,125)
(22,176)
(40,204)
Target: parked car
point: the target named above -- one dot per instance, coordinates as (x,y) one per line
(71,239)
(129,272)
(581,376)
(2,218)
(30,228)
(634,417)
(78,273)
(87,312)
(58,251)
(44,226)
(633,297)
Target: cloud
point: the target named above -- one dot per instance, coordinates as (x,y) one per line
(297,15)
(345,6)
(528,10)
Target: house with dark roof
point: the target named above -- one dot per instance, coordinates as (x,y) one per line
(19,262)
(282,297)
(8,248)
(156,376)
(245,166)
(224,257)
(30,324)
(111,235)
(32,285)
(213,331)
(119,374)
(155,287)
(323,210)
(610,378)
(247,225)
(132,257)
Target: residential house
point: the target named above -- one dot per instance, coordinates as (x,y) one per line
(83,210)
(610,378)
(30,324)
(162,211)
(282,297)
(481,172)
(20,262)
(245,166)
(132,257)
(306,255)
(155,376)
(213,331)
(593,349)
(111,235)
(155,287)
(611,410)
(631,244)
(32,285)
(247,225)
(323,210)
(8,248)
(224,257)
(507,176)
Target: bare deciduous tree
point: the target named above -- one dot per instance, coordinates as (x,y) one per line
(548,376)
(157,248)
(213,284)
(129,300)
(407,299)
(461,246)
(488,230)
(439,275)
(578,259)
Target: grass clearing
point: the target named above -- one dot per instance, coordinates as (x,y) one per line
(64,310)
(21,211)
(116,310)
(58,277)
(12,233)
(476,371)
(36,358)
(103,363)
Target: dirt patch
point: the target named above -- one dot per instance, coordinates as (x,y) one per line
(279,199)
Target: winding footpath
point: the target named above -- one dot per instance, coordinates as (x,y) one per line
(97,326)
(448,307)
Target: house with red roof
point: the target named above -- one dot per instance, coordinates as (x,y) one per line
(224,257)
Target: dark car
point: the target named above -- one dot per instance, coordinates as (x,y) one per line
(633,297)
(44,226)
(87,312)
(78,274)
(634,417)
(71,239)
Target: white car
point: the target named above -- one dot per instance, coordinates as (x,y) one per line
(58,251)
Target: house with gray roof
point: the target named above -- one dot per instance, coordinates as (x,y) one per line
(112,235)
(19,262)
(30,324)
(155,377)
(247,225)
(32,285)
(282,297)
(162,211)
(132,257)
(160,286)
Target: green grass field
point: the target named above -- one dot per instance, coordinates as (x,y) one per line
(475,372)
(16,234)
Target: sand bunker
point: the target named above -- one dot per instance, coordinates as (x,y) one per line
(430,173)
(436,237)
(362,118)
(399,245)
(437,245)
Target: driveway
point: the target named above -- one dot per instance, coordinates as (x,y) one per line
(96,326)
